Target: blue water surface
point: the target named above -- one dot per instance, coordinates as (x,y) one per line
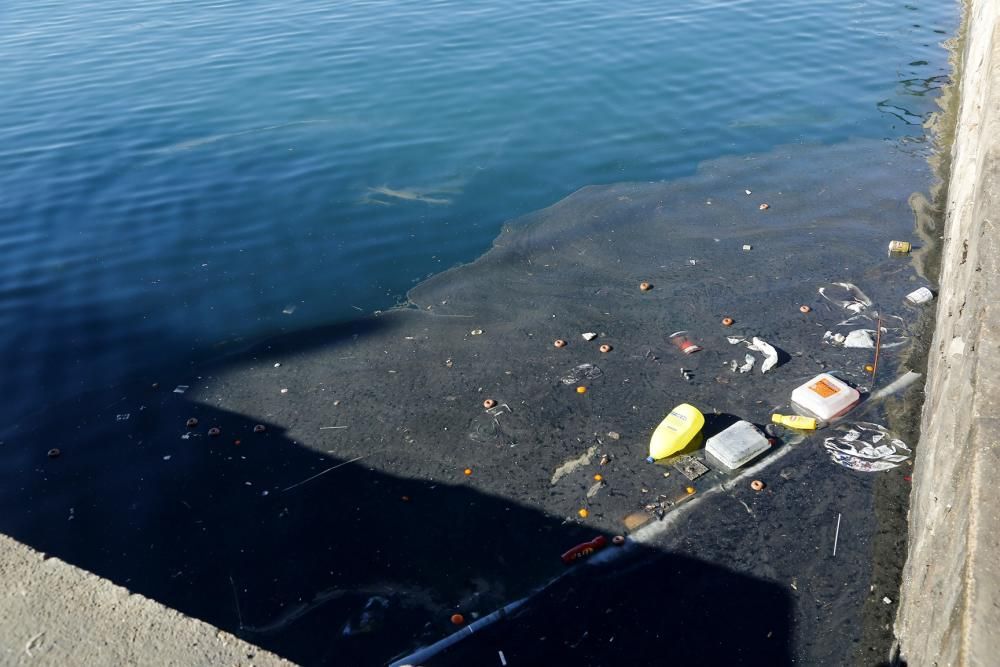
(178,179)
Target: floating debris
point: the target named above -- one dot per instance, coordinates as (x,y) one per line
(571,465)
(580,373)
(866,447)
(690,467)
(590,335)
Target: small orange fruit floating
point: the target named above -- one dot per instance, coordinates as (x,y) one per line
(559,342)
(605,349)
(804,309)
(489,403)
(645,287)
(727,321)
(690,490)
(467,471)
(583,513)
(757,485)
(457,619)
(869,368)
(581,390)
(598,477)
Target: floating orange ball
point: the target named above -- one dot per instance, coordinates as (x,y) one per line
(804,309)
(727,321)
(757,485)
(605,349)
(645,287)
(581,390)
(690,489)
(559,342)
(869,368)
(489,403)
(583,513)
(457,619)
(598,477)
(468,471)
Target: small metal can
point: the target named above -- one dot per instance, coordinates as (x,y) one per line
(900,246)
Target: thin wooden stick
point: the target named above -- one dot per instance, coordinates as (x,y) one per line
(878,345)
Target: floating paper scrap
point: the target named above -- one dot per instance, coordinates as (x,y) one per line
(590,335)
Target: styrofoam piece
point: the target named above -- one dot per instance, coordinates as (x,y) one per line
(738,444)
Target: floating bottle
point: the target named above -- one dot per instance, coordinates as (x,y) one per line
(795,421)
(675,432)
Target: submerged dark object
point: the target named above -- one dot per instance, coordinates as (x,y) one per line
(214,431)
(192,422)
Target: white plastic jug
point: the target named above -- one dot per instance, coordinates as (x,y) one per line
(825,396)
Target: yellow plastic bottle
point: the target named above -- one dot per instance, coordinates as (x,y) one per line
(795,421)
(675,431)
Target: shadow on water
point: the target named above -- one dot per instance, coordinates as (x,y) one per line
(261,533)
(327,561)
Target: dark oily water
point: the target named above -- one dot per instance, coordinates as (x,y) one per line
(349,530)
(181,182)
(176,176)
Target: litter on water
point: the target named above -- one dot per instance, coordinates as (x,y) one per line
(825,396)
(920,296)
(866,447)
(675,431)
(738,444)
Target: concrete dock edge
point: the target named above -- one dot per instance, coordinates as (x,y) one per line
(52,613)
(950,598)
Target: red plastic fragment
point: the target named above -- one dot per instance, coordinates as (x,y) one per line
(585,549)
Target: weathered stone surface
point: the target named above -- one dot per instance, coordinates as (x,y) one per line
(950,605)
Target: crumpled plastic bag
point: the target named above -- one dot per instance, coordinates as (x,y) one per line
(866,447)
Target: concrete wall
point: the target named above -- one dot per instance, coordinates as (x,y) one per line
(52,613)
(950,602)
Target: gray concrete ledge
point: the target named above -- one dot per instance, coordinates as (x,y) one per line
(52,613)
(950,601)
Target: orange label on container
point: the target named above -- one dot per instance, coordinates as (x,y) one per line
(824,389)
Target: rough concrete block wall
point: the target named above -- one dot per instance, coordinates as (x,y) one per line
(950,602)
(52,613)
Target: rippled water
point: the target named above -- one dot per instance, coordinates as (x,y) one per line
(178,179)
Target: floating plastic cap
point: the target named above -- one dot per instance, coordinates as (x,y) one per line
(649,459)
